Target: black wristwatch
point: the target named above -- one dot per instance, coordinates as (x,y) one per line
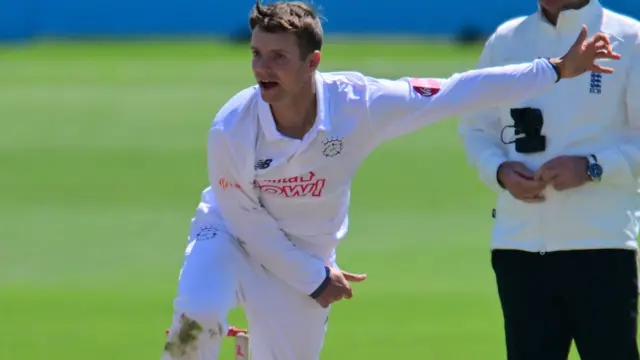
(594,169)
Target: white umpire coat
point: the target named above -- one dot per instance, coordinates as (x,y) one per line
(591,114)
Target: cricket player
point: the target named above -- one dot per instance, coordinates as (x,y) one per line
(281,158)
(565,167)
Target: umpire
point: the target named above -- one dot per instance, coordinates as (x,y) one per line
(566,166)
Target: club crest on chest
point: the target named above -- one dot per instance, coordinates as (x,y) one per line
(333,146)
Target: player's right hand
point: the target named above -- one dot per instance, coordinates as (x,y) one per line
(339,287)
(520,181)
(582,55)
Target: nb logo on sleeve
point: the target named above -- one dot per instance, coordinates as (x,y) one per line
(262,164)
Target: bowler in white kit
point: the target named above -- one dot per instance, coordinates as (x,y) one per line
(281,158)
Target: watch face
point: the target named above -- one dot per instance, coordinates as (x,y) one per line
(595,171)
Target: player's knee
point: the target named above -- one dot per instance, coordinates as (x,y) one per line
(203,313)
(194,331)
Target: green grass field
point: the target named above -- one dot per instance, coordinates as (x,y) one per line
(101,166)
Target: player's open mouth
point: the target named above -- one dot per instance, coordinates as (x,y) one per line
(268,85)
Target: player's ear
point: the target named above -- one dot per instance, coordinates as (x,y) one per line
(313,60)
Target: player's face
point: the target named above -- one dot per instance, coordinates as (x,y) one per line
(277,66)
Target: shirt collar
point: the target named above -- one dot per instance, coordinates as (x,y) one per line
(575,17)
(322,123)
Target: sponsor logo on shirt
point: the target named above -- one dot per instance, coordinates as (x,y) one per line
(425,87)
(297,186)
(226,184)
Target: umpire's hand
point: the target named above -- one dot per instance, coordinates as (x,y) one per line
(520,181)
(564,172)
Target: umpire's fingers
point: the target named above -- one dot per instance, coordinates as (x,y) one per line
(547,172)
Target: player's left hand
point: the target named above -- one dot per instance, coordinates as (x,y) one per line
(582,56)
(564,172)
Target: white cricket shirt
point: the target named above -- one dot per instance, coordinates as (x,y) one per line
(287,200)
(593,113)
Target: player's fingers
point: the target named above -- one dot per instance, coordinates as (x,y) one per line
(601,69)
(354,277)
(344,292)
(601,37)
(607,53)
(581,37)
(602,45)
(603,50)
(324,303)
(611,55)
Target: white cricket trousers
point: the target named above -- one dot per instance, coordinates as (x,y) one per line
(217,276)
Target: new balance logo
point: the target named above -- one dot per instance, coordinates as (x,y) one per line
(262,164)
(596,83)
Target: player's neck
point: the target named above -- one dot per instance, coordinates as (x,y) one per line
(553,15)
(296,116)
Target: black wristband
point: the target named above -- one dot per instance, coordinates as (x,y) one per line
(556,69)
(325,283)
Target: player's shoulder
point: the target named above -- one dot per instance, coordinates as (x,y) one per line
(621,26)
(231,114)
(342,78)
(345,85)
(351,83)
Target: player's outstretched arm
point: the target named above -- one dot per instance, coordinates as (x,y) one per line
(253,226)
(397,107)
(480,132)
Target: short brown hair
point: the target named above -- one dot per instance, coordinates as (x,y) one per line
(293,17)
